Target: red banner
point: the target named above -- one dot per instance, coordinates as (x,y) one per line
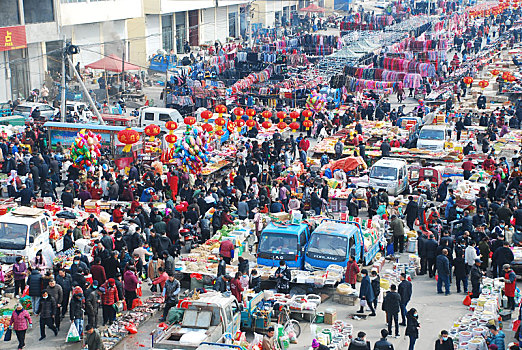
(12,38)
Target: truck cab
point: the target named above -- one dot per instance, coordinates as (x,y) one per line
(432,138)
(204,320)
(283,242)
(390,174)
(159,116)
(82,109)
(23,232)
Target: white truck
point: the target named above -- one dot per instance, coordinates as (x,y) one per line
(159,116)
(23,232)
(432,137)
(390,174)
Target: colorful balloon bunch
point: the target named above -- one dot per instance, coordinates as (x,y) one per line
(85,150)
(316,101)
(190,152)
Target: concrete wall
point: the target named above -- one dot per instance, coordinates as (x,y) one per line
(36,65)
(153,34)
(5,84)
(137,43)
(92,12)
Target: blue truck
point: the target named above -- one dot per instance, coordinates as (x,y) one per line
(334,241)
(283,242)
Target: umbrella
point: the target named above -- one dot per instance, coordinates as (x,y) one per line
(112,63)
(348,164)
(312,8)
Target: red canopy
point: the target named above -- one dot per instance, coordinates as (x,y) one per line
(348,164)
(312,8)
(112,63)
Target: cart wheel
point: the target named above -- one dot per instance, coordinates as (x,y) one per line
(293,325)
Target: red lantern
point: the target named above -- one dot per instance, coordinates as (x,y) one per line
(128,137)
(495,72)
(505,75)
(221,109)
(231,126)
(171,125)
(511,78)
(206,114)
(267,125)
(238,111)
(250,123)
(171,138)
(220,133)
(307,113)
(267,114)
(250,112)
(240,123)
(220,121)
(207,127)
(294,115)
(189,121)
(308,124)
(152,131)
(281,115)
(281,125)
(468,80)
(294,126)
(483,84)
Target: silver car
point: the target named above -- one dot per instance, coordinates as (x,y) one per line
(25,109)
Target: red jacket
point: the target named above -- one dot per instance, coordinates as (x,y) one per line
(467,165)
(161,279)
(236,289)
(173,184)
(20,320)
(304,144)
(98,274)
(352,269)
(509,286)
(117,216)
(110,296)
(226,248)
(130,281)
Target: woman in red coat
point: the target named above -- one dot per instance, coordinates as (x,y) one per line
(173,184)
(352,269)
(235,287)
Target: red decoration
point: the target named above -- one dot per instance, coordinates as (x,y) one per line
(266,124)
(206,114)
(240,123)
(468,80)
(483,84)
(281,115)
(505,75)
(231,126)
(221,109)
(207,127)
(128,137)
(238,111)
(294,115)
(250,123)
(171,125)
(152,131)
(220,132)
(495,72)
(250,112)
(294,126)
(267,114)
(308,124)
(511,78)
(281,125)
(307,113)
(171,138)
(220,121)
(189,120)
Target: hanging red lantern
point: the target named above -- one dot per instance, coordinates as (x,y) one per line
(250,112)
(483,84)
(294,126)
(495,72)
(220,121)
(240,123)
(266,124)
(220,133)
(189,121)
(207,127)
(281,125)
(281,116)
(171,125)
(308,124)
(250,123)
(511,78)
(294,115)
(171,139)
(128,137)
(206,114)
(468,80)
(307,113)
(238,112)
(221,109)
(267,115)
(152,131)
(231,126)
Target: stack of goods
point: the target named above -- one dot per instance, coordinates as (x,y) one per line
(64,258)
(336,337)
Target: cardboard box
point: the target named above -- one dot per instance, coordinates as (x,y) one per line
(281,216)
(330,317)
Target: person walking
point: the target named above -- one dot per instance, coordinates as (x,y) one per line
(20,321)
(170,293)
(443,269)
(94,340)
(412,327)
(405,291)
(46,310)
(412,212)
(376,286)
(397,227)
(475,276)
(461,273)
(366,293)
(76,310)
(130,285)
(55,291)
(430,247)
(392,305)
(92,303)
(20,274)
(352,269)
(383,343)
(445,342)
(108,299)
(34,281)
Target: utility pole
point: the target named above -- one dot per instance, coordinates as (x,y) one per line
(63,107)
(249,24)
(123,68)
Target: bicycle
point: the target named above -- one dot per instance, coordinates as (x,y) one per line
(288,323)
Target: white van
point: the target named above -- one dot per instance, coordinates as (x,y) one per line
(432,137)
(81,108)
(390,174)
(23,232)
(159,116)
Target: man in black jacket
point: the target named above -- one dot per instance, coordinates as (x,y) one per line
(65,281)
(412,209)
(383,343)
(392,305)
(475,276)
(405,291)
(46,311)
(443,269)
(431,254)
(501,256)
(67,198)
(26,194)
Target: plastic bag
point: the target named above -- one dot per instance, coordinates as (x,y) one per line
(131,328)
(139,292)
(26,292)
(136,302)
(118,306)
(72,336)
(8,334)
(516,324)
(467,300)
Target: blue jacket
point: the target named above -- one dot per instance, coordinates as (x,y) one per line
(498,340)
(366,289)
(442,264)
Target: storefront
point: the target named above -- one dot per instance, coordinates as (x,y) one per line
(15,79)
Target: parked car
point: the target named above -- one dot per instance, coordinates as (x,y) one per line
(25,109)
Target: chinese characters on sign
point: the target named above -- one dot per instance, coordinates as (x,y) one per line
(12,38)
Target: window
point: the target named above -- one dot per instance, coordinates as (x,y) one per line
(35,230)
(383,173)
(278,243)
(232,24)
(12,236)
(164,117)
(166,32)
(43,222)
(71,1)
(10,15)
(149,116)
(38,11)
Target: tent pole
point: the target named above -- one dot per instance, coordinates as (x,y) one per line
(107,88)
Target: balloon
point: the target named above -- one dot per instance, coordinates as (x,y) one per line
(85,150)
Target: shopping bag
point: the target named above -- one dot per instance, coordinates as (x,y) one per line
(131,328)
(138,291)
(26,292)
(118,306)
(467,300)
(72,336)
(8,334)
(516,324)
(136,302)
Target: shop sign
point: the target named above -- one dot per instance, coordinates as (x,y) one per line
(12,38)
